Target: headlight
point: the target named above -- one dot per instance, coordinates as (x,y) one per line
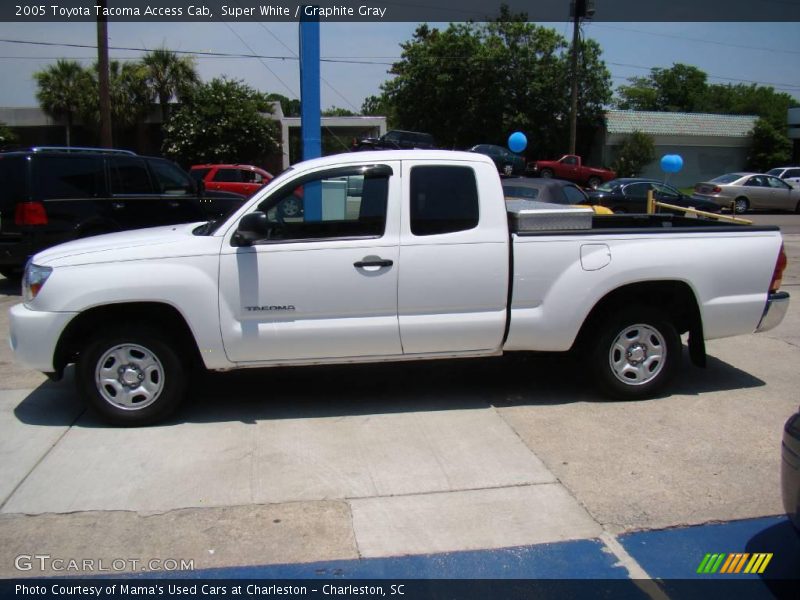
(33,281)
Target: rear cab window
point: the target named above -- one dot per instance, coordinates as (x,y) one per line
(444,199)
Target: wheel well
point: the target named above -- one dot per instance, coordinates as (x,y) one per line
(163,317)
(675,298)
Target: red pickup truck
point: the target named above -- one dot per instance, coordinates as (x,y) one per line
(569,167)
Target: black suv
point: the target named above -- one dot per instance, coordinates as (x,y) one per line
(397,140)
(50,195)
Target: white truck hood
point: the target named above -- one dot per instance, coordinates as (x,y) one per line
(138,244)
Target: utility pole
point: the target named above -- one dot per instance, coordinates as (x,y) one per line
(102,78)
(577,10)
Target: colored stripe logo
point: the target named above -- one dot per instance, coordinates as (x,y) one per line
(731,564)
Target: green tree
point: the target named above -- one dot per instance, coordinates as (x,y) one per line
(335,111)
(221,121)
(62,91)
(770,147)
(681,88)
(7,137)
(472,83)
(637,151)
(169,76)
(289,106)
(130,95)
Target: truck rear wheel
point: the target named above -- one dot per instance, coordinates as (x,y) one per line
(636,353)
(130,376)
(547,173)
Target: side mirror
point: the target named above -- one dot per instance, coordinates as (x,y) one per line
(253,226)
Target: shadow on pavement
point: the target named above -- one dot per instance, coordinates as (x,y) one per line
(783,542)
(251,395)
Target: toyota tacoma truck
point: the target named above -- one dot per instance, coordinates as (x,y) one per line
(400,255)
(570,167)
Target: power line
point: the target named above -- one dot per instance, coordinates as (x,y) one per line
(699,40)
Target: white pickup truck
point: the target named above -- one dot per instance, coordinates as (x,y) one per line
(400,255)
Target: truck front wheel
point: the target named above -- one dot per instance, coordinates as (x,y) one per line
(546,173)
(130,376)
(635,354)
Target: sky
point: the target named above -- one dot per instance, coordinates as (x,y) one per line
(763,53)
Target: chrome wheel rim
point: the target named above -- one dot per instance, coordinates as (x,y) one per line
(638,354)
(741,206)
(129,376)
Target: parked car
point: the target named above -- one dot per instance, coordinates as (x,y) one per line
(790,469)
(554,191)
(749,191)
(51,195)
(364,284)
(240,179)
(507,162)
(571,168)
(629,195)
(397,139)
(790,175)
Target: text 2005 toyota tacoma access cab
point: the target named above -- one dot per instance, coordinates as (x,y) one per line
(401,255)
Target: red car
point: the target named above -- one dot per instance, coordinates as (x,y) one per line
(241,179)
(570,167)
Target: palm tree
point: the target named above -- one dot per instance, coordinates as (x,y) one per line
(63,89)
(168,76)
(130,96)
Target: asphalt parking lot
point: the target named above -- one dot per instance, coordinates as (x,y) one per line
(315,464)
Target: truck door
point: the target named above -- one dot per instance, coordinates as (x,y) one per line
(454,258)
(317,289)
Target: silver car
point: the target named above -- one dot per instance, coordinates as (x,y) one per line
(749,191)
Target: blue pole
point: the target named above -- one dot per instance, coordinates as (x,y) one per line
(310,114)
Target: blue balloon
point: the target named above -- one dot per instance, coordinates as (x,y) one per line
(671,163)
(517,142)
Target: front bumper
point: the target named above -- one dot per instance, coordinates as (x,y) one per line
(790,469)
(34,334)
(774,311)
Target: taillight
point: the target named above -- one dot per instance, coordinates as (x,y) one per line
(716,189)
(780,267)
(30,213)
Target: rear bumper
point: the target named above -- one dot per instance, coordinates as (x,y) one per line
(790,469)
(34,334)
(774,311)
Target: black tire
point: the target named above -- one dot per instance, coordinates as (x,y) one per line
(741,205)
(168,375)
(547,173)
(653,349)
(594,182)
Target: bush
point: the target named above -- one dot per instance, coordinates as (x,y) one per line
(635,153)
(769,148)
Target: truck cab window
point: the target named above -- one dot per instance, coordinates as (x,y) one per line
(444,199)
(353,205)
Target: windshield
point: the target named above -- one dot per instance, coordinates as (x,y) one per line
(211,227)
(730,177)
(608,186)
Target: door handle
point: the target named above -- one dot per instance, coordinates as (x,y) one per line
(381,262)
(117,205)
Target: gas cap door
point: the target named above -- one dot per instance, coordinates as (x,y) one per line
(595,256)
